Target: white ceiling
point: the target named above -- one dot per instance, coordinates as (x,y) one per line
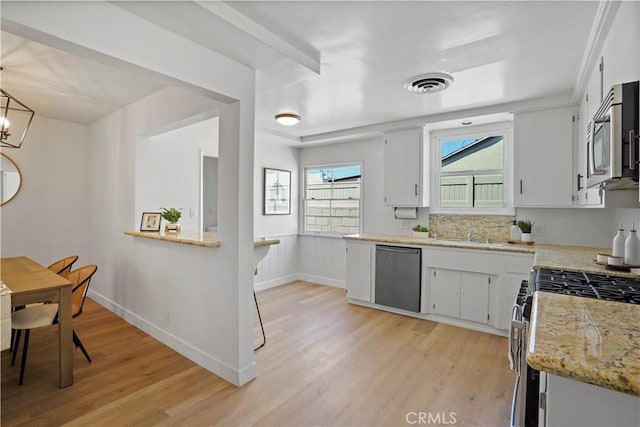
(498,52)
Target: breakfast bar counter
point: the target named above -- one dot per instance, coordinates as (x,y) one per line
(204,239)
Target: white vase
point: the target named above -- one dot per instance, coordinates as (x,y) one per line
(632,249)
(527,237)
(421,234)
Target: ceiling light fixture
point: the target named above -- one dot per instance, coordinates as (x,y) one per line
(429,83)
(288,119)
(15,119)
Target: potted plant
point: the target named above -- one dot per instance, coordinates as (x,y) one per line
(420,231)
(172,215)
(525,226)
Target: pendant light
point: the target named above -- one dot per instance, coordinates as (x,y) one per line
(15,119)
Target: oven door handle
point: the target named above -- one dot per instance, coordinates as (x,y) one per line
(514,338)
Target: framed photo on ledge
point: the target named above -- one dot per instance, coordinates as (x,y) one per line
(150,221)
(277,192)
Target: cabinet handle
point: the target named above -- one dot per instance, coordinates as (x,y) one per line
(416,189)
(632,154)
(579,176)
(520,186)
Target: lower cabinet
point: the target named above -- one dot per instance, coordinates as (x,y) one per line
(360,262)
(465,287)
(460,294)
(569,403)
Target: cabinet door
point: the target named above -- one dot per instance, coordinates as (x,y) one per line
(544,173)
(403,151)
(359,265)
(445,292)
(474,296)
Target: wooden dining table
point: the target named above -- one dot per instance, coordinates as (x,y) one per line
(31,282)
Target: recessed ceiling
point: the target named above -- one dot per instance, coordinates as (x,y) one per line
(497,52)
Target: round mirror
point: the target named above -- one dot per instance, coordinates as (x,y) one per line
(10,179)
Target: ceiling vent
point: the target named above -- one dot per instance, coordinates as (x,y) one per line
(429,83)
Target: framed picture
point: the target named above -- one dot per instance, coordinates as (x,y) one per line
(277,192)
(150,221)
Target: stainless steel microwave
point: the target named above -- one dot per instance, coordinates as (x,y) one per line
(612,148)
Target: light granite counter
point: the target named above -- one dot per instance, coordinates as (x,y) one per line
(410,240)
(204,239)
(575,258)
(589,340)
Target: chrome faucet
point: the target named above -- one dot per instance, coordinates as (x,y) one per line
(470,236)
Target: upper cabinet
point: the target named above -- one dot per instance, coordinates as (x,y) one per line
(543,147)
(405,161)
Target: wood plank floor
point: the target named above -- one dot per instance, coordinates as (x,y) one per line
(326,363)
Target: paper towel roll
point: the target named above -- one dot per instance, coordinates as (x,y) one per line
(406,213)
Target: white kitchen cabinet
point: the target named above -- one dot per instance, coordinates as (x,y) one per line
(460,294)
(445,292)
(405,158)
(569,403)
(474,296)
(543,158)
(360,270)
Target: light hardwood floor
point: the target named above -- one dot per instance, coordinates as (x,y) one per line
(326,363)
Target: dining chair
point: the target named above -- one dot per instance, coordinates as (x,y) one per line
(38,316)
(61,267)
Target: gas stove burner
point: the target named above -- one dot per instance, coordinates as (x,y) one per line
(599,286)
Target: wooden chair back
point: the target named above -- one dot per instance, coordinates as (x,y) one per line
(80,279)
(63,266)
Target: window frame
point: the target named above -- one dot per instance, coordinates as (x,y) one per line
(504,129)
(303,199)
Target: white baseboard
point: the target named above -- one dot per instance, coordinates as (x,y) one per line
(236,377)
(323,280)
(261,286)
(434,318)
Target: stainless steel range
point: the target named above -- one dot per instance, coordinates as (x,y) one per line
(524,411)
(611,288)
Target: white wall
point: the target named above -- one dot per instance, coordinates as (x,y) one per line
(161,287)
(270,154)
(48,219)
(281,265)
(168,170)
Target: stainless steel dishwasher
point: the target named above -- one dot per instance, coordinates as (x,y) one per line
(398,277)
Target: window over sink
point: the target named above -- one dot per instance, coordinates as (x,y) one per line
(332,199)
(472,169)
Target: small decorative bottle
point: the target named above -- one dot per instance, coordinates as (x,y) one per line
(632,248)
(515,233)
(618,243)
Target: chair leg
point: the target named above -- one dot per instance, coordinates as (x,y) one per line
(25,346)
(78,343)
(264,337)
(16,344)
(13,340)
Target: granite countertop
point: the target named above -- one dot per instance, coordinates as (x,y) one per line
(410,240)
(574,258)
(204,239)
(589,340)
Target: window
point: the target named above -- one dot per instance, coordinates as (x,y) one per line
(472,167)
(332,199)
